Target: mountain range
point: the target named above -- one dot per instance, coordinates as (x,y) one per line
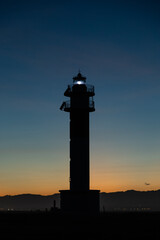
(117,201)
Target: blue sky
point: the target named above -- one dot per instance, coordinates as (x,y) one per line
(116,46)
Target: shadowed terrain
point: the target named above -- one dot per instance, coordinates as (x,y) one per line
(55,225)
(117,201)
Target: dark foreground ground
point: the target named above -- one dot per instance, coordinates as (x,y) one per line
(55,225)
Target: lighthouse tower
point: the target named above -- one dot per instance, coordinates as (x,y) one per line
(79,198)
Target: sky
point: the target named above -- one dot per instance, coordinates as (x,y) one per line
(116,45)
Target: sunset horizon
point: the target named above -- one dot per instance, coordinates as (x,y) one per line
(115,45)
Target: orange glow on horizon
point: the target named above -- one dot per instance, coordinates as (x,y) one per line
(107,178)
(102,187)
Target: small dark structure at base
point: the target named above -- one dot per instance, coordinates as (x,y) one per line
(80,201)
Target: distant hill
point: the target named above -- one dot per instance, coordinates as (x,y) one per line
(130,201)
(117,201)
(29,202)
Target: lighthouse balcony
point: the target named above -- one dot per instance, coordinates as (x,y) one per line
(66,106)
(89,89)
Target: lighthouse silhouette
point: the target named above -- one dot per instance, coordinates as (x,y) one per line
(79,198)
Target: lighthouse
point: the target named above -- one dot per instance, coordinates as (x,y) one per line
(79,198)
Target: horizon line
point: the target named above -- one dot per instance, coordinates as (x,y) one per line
(45,195)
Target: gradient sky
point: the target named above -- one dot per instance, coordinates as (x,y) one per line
(116,45)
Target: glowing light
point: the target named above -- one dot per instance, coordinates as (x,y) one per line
(80,82)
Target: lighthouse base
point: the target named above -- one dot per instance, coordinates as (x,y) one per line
(80,201)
